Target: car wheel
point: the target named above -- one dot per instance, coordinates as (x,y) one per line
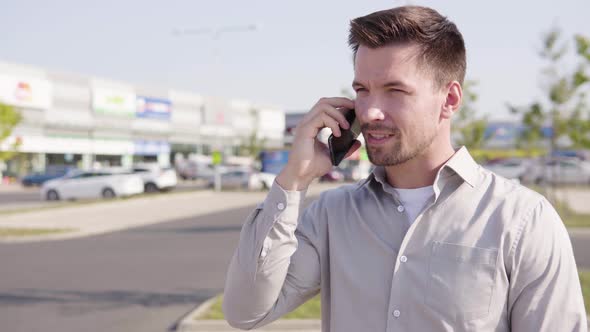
(108,193)
(52,195)
(151,188)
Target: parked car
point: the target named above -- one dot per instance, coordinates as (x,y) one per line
(232,179)
(334,175)
(559,171)
(92,184)
(262,180)
(242,178)
(191,170)
(38,178)
(156,178)
(510,168)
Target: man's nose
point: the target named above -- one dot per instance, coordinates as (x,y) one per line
(370,114)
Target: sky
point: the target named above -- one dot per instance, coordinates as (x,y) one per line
(297,54)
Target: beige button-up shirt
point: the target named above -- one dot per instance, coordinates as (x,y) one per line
(486,254)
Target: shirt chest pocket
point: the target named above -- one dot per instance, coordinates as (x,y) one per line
(461,281)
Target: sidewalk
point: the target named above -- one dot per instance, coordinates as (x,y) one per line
(300,325)
(103,217)
(576,198)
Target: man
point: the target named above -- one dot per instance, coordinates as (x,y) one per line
(430,241)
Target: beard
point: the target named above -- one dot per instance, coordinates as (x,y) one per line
(396,153)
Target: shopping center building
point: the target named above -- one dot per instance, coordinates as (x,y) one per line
(70,119)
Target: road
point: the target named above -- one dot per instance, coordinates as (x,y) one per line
(142,279)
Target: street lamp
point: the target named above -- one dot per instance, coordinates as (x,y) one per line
(216,32)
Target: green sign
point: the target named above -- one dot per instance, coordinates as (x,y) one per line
(216,158)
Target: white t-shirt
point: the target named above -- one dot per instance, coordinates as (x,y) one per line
(415,200)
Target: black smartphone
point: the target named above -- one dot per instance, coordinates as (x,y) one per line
(339,146)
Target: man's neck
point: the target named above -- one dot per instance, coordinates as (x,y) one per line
(420,171)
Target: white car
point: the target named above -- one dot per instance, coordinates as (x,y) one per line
(156,178)
(242,178)
(560,170)
(262,180)
(92,184)
(511,168)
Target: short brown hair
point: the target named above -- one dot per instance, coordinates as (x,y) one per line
(442,50)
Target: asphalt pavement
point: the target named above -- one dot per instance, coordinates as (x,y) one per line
(143,279)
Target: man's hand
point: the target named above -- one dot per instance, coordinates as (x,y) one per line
(309,158)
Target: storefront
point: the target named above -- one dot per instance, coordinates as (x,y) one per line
(31,97)
(75,120)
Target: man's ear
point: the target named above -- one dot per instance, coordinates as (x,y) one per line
(453,100)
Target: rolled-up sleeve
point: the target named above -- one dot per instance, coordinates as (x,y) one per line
(545,292)
(274,268)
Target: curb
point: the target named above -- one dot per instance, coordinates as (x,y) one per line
(580,231)
(191,323)
(287,325)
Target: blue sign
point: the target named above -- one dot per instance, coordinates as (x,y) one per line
(154,108)
(150,148)
(273,161)
(511,131)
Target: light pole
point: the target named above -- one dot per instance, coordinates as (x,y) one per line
(216,33)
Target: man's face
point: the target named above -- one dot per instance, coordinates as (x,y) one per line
(397,104)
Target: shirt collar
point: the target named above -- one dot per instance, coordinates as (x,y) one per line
(461,163)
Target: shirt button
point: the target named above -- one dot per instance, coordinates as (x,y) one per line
(403,259)
(396,313)
(281,206)
(400,208)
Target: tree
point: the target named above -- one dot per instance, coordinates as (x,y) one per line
(564,108)
(9,118)
(468,128)
(253,145)
(579,123)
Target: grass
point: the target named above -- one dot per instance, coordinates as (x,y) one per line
(308,310)
(585,280)
(17,232)
(570,217)
(311,309)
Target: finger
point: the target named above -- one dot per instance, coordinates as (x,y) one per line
(331,123)
(331,106)
(337,102)
(339,116)
(313,125)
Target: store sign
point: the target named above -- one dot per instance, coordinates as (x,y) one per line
(151,148)
(25,92)
(108,101)
(154,108)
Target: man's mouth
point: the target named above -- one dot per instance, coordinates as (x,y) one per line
(377,138)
